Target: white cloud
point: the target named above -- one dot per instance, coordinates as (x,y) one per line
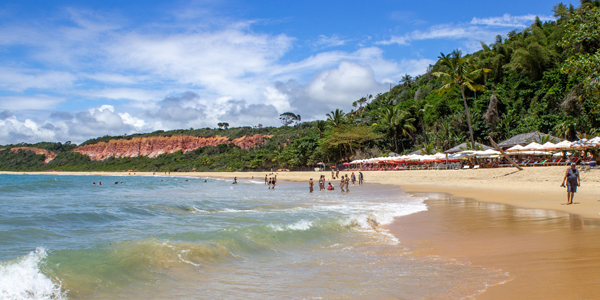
(479,29)
(22,79)
(509,21)
(331,41)
(37,102)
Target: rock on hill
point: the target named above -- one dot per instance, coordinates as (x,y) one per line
(156,145)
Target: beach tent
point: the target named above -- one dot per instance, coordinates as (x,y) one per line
(524,139)
(463,147)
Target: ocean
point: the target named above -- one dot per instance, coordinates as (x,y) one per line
(159,237)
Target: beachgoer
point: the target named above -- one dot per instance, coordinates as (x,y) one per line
(121,182)
(322,183)
(347,181)
(331,188)
(342,183)
(234,180)
(99,182)
(573,181)
(94,183)
(205,180)
(332,175)
(337,173)
(274,182)
(360,178)
(311,184)
(353,177)
(116,182)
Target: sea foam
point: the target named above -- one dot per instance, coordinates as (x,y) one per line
(22,279)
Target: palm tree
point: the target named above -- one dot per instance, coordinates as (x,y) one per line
(395,121)
(336,117)
(406,80)
(420,107)
(320,126)
(428,149)
(460,71)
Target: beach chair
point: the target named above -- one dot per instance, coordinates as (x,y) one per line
(476,167)
(539,163)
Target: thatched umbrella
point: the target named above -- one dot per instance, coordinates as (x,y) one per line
(463,147)
(524,139)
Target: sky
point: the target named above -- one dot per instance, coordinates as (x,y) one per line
(75,70)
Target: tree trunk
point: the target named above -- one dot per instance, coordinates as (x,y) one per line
(462,90)
(396,143)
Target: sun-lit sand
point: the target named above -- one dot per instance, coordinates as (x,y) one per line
(518,224)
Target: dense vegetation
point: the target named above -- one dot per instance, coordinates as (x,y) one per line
(542,78)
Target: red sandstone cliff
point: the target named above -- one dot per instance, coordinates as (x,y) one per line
(48,155)
(156,145)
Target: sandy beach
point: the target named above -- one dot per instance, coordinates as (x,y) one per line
(477,216)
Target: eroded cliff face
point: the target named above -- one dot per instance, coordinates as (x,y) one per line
(48,155)
(157,145)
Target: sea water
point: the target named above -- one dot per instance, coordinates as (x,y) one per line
(158,237)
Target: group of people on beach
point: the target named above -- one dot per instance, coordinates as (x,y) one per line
(344,182)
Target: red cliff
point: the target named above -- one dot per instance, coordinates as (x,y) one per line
(48,155)
(156,145)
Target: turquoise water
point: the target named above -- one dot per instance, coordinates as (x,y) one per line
(172,238)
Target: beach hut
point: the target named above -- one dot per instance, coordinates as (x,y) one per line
(463,147)
(524,139)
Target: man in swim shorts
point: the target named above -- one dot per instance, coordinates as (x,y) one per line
(573,181)
(311,183)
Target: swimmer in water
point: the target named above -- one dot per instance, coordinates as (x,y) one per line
(94,183)
(234,180)
(99,182)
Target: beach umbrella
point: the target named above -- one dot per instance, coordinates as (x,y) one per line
(532,146)
(346,164)
(548,145)
(581,144)
(564,145)
(560,154)
(515,148)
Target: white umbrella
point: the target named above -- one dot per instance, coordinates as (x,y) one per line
(548,145)
(533,146)
(515,148)
(564,145)
(560,154)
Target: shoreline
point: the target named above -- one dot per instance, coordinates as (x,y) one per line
(534,187)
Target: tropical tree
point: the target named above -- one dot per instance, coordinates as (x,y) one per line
(288,118)
(406,80)
(428,149)
(336,118)
(459,71)
(396,121)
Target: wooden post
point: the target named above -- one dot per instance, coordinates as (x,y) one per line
(504,154)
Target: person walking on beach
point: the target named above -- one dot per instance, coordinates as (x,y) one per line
(573,181)
(332,175)
(360,178)
(353,178)
(311,183)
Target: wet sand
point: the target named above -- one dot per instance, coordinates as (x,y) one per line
(548,254)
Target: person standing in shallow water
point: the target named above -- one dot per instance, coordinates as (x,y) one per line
(573,181)
(266,180)
(346,182)
(342,183)
(322,183)
(360,178)
(353,177)
(311,183)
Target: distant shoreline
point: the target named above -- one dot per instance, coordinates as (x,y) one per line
(534,187)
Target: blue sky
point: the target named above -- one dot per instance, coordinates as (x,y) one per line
(73,70)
